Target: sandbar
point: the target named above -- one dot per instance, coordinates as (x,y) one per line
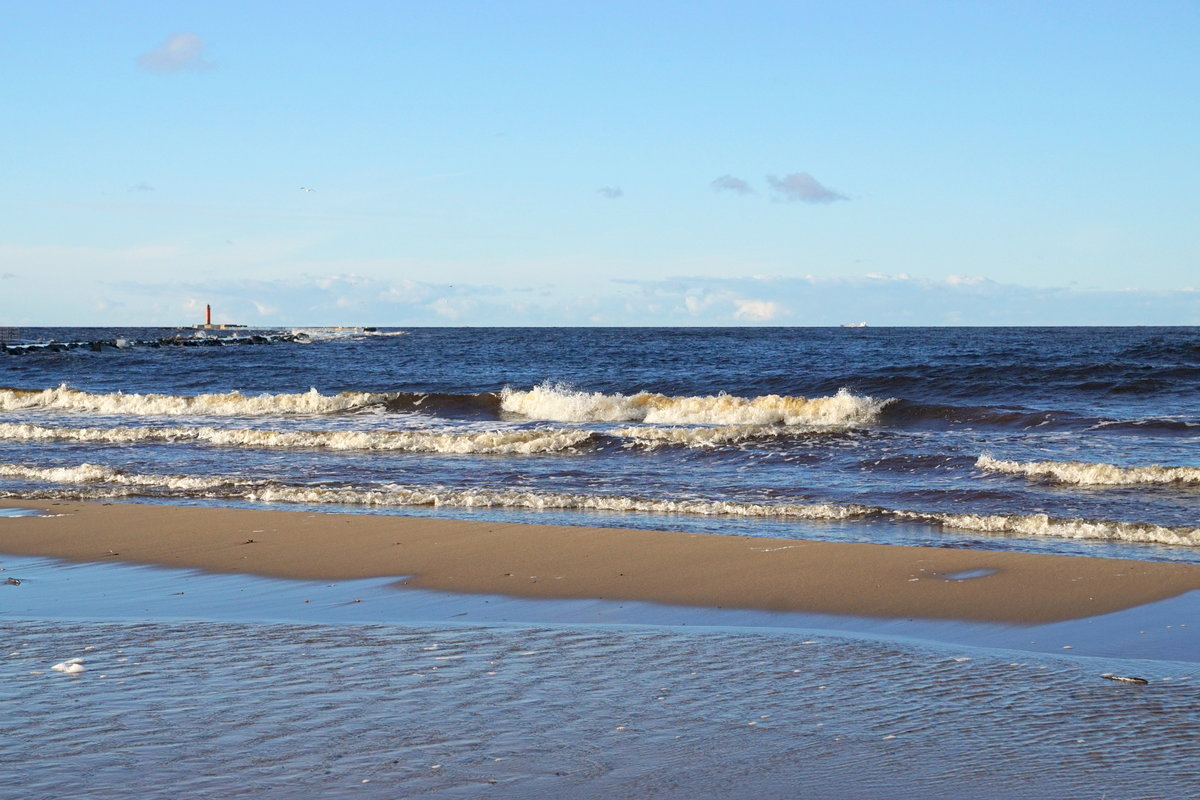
(568,562)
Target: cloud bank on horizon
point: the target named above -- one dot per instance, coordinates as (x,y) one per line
(459,170)
(879,299)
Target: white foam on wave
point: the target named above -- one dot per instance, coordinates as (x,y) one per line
(526,441)
(545,501)
(1063,528)
(98,473)
(562,404)
(652,437)
(1084,474)
(1037,525)
(229,404)
(513,442)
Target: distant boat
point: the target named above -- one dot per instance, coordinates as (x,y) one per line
(854,324)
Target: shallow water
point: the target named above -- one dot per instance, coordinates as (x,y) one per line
(241,686)
(234,710)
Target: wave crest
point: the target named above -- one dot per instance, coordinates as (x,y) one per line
(1037,525)
(229,404)
(98,473)
(653,437)
(517,442)
(1063,528)
(1081,473)
(559,403)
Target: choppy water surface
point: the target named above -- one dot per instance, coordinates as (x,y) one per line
(1076,440)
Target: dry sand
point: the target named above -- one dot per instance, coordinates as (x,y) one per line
(546,561)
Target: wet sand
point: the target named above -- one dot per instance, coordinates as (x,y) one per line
(542,561)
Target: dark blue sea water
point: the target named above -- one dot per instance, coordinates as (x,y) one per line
(1070,440)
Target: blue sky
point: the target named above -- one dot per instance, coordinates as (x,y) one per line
(554,163)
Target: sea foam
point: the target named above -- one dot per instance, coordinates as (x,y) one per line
(229,404)
(652,437)
(98,473)
(1084,474)
(514,442)
(562,404)
(525,441)
(1034,525)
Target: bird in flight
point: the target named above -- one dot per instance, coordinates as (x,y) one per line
(306,189)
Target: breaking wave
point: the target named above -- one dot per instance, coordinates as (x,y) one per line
(119,483)
(229,404)
(1084,474)
(562,404)
(1063,528)
(653,437)
(546,402)
(97,473)
(517,442)
(527,441)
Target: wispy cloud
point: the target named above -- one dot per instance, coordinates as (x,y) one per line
(329,299)
(802,187)
(611,192)
(180,52)
(900,299)
(728,183)
(141,187)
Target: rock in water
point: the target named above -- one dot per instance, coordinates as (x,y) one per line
(1126,679)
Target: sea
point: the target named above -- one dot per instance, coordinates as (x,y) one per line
(1072,441)
(1062,440)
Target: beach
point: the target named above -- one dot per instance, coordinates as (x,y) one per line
(244,652)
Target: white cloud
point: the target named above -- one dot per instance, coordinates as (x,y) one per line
(453,308)
(405,291)
(966,280)
(181,52)
(757,310)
